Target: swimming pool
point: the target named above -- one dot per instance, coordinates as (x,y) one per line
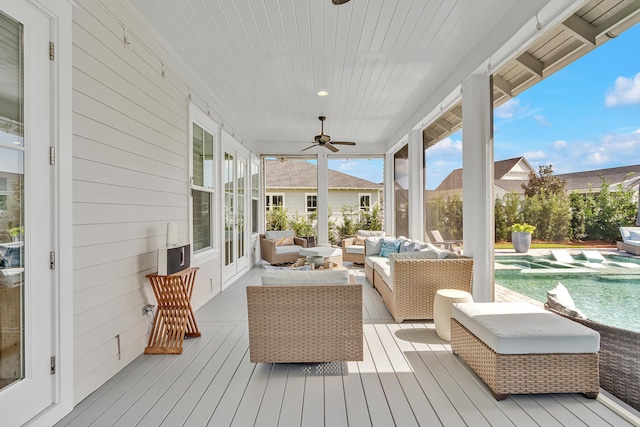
(609,295)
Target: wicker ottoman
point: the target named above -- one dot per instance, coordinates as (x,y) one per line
(442,308)
(519,348)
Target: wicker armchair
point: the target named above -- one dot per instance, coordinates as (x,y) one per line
(619,359)
(305,323)
(280,254)
(352,252)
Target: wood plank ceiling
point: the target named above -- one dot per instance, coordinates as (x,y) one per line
(265,60)
(597,22)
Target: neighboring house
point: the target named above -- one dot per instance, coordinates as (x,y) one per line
(292,184)
(511,174)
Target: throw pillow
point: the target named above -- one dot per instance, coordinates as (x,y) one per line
(408,246)
(389,247)
(359,240)
(560,300)
(285,241)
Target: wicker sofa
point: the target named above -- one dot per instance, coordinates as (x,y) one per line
(408,282)
(275,253)
(305,317)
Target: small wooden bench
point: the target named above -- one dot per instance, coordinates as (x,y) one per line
(519,348)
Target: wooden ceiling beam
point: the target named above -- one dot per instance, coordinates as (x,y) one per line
(432,133)
(627,13)
(444,124)
(502,85)
(457,111)
(580,28)
(530,63)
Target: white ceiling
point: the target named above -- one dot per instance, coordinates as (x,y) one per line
(265,60)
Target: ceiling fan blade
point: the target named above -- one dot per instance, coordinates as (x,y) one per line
(343,142)
(331,147)
(309,147)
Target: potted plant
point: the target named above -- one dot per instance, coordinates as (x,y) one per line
(521,236)
(16,233)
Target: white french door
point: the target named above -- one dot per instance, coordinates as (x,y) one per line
(235,180)
(26,241)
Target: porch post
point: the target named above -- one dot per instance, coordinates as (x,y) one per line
(416,186)
(389,195)
(323,199)
(477,180)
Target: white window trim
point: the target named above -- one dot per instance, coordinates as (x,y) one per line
(306,206)
(200,118)
(370,201)
(255,161)
(284,201)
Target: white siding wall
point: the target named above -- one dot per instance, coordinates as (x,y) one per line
(130,177)
(295,200)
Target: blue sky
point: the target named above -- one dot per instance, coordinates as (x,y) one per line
(584,117)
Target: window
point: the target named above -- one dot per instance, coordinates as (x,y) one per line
(202,188)
(365,202)
(255,193)
(274,201)
(312,202)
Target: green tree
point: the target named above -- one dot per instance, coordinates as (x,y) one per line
(607,211)
(544,181)
(499,219)
(277,218)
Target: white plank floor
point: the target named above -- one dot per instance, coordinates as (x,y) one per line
(409,377)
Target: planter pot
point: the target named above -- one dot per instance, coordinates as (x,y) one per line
(521,241)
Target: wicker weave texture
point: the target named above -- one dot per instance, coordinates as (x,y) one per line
(416,281)
(305,324)
(619,360)
(526,373)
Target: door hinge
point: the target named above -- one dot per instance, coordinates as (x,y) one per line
(52,260)
(51,51)
(52,155)
(53,365)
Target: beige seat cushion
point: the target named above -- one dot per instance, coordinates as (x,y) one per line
(298,277)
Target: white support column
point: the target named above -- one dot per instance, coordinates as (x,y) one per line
(416,186)
(389,196)
(477,180)
(323,199)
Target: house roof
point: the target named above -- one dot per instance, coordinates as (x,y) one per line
(301,174)
(500,168)
(582,181)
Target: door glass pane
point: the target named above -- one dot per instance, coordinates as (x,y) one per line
(202,157)
(11,203)
(401,185)
(241,207)
(229,222)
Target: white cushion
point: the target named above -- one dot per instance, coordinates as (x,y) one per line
(373,259)
(297,277)
(630,234)
(355,249)
(559,299)
(370,233)
(325,251)
(633,242)
(278,234)
(289,249)
(523,328)
(593,256)
(373,245)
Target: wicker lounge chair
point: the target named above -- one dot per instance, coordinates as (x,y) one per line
(619,359)
(274,254)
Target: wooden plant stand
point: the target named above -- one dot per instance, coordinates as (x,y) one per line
(174,319)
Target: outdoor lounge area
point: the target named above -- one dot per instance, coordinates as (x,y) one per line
(408,377)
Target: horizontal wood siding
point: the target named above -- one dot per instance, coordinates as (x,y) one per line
(130,177)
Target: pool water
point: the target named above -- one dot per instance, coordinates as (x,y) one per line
(610,295)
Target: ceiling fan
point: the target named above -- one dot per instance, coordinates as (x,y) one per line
(324,140)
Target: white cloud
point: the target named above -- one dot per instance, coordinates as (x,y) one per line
(559,144)
(542,120)
(535,155)
(626,91)
(508,109)
(446,147)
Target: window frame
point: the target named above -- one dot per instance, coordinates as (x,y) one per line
(199,118)
(306,202)
(270,203)
(361,209)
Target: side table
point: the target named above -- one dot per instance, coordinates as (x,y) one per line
(443,308)
(174,319)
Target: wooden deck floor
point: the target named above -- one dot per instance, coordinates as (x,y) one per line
(409,377)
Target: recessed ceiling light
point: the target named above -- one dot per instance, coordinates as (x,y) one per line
(323,93)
